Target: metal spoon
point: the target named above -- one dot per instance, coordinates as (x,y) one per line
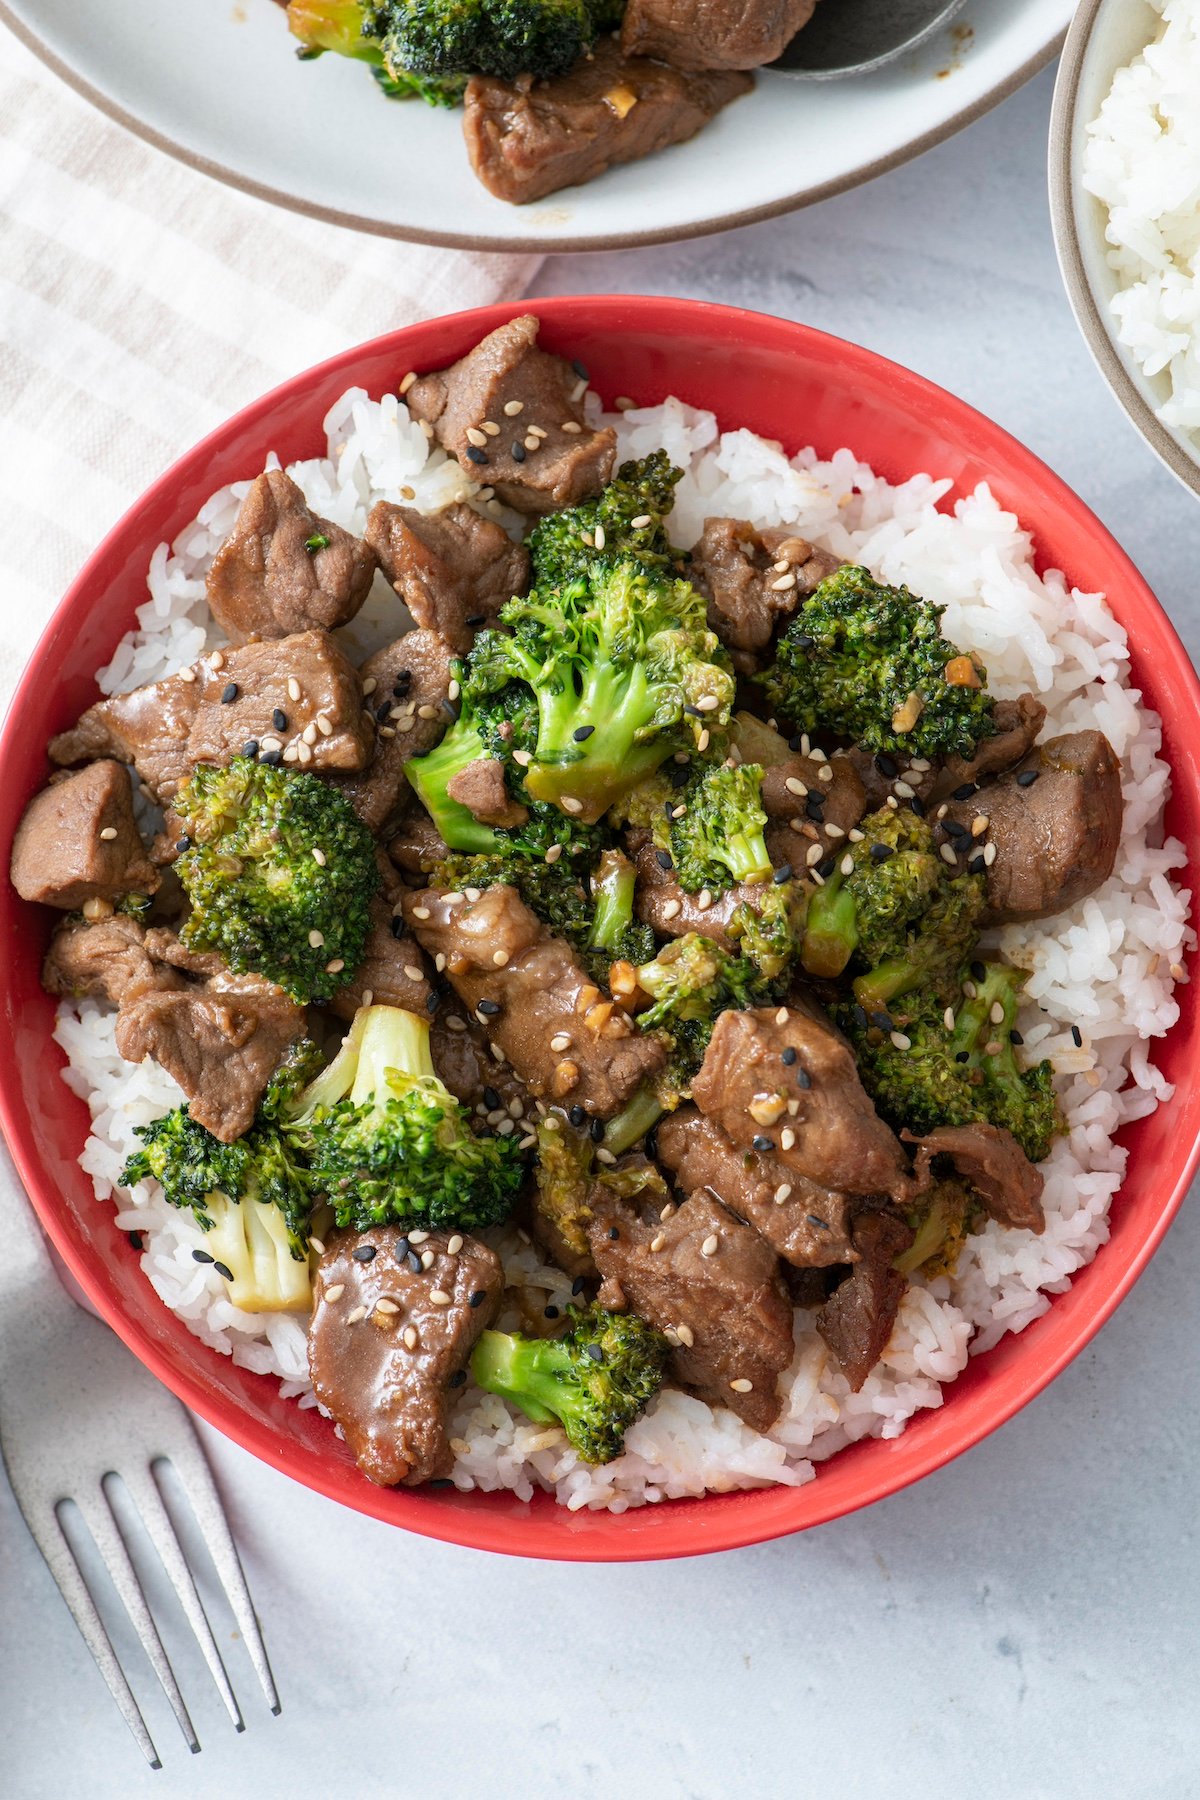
(853,37)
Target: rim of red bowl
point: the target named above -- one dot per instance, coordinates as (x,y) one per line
(995,1385)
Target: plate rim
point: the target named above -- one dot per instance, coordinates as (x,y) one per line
(543,246)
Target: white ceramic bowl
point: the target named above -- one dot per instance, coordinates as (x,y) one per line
(215,83)
(1104,36)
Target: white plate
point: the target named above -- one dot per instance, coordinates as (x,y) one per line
(215,83)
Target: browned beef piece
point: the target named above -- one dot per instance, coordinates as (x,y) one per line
(528,138)
(227,700)
(663,904)
(282,569)
(392,970)
(406,685)
(712,1284)
(418,846)
(895,778)
(804,809)
(453,569)
(1055,822)
(464,1061)
(805,1223)
(711,34)
(859,1316)
(562,1036)
(78,841)
(1017,725)
(569,462)
(222,1037)
(754,580)
(104,960)
(388,1343)
(993,1163)
(480,787)
(809,1112)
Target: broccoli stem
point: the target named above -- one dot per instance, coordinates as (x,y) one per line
(613,887)
(250,1238)
(831,930)
(336,25)
(381,1038)
(619,705)
(744,854)
(432,773)
(638,1117)
(527,1371)
(888,981)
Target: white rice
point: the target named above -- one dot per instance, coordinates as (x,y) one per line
(1142,159)
(1109,966)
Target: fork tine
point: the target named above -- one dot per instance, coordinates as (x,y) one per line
(143,1491)
(191,1464)
(98,1516)
(55,1546)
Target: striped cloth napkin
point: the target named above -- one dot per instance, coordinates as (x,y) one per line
(140,304)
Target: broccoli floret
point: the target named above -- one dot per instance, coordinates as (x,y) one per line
(508,38)
(259,897)
(615,936)
(624,672)
(348,28)
(431,774)
(387,1142)
(877,888)
(934,948)
(692,979)
(716,832)
(947,1215)
(769,933)
(870,663)
(253,1197)
(625,523)
(956,1065)
(594,1381)
(563,1174)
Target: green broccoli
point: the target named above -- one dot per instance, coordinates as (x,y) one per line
(934,948)
(259,896)
(594,1381)
(927,1063)
(508,38)
(716,829)
(614,934)
(624,523)
(387,1143)
(563,1175)
(870,663)
(253,1197)
(769,932)
(879,886)
(347,28)
(624,672)
(947,1214)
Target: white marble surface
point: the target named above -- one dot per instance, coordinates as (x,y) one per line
(1021,1626)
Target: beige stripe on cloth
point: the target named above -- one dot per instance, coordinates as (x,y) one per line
(140,304)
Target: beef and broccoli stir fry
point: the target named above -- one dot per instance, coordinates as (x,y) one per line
(554,92)
(635,898)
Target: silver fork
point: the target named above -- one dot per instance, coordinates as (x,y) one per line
(77,1409)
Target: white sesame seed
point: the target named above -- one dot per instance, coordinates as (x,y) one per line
(533,443)
(439,961)
(900,1041)
(453,691)
(553,853)
(997,1013)
(787,1138)
(336,1291)
(989,855)
(824,773)
(920,765)
(904,789)
(641,522)
(605,1156)
(513,407)
(685,1335)
(601,540)
(316,939)
(410,1337)
(369,685)
(454,1245)
(741,1386)
(794,785)
(847,864)
(456,1024)
(784,582)
(386,1306)
(291,754)
(570,804)
(707,703)
(472,894)
(427,712)
(704,900)
(413,972)
(834,831)
(948,856)
(781,1017)
(570,426)
(188,674)
(368,995)
(421,912)
(323,725)
(527,1143)
(970,990)
(704,740)
(317,1245)
(948,1018)
(782,567)
(658,1240)
(303,753)
(417,1237)
(309,734)
(217,659)
(352,1318)
(855,835)
(439,1297)
(783,1192)
(270,743)
(522,758)
(560,1041)
(491,427)
(711,1245)
(476,437)
(813,854)
(427,1259)
(109,833)
(979,824)
(499,958)
(992,1048)
(668,1212)
(671,908)
(335,967)
(408,381)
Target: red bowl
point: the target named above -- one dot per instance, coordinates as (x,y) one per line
(790,383)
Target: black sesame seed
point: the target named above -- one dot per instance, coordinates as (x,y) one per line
(664,859)
(577,1286)
(1077,1037)
(1014,1037)
(458,1379)
(794,743)
(402,1249)
(669,808)
(272,758)
(965,791)
(596,1131)
(440,1481)
(489,1008)
(956,830)
(550,1312)
(433,1001)
(398,926)
(882,1020)
(135,1238)
(821,1224)
(229,694)
(595,1352)
(250,747)
(828,864)
(917,805)
(887,767)
(202,1256)
(763,1143)
(803,641)
(976,866)
(582,732)
(478,1297)
(475,620)
(404,677)
(577,1116)
(491,1098)
(960,1056)
(223,1269)
(789,1055)
(518,451)
(680,775)
(476,455)
(803,1078)
(881,852)
(859,1016)
(183,843)
(365,1253)
(581,370)
(414,1262)
(814,806)
(279,719)
(978,972)
(613,1234)
(652,1143)
(1027,777)
(383,711)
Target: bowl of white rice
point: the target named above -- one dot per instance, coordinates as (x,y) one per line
(780,424)
(1125,201)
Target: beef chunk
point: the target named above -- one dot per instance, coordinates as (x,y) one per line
(222,1037)
(753,580)
(564,1039)
(392,970)
(282,569)
(465,1063)
(810,1112)
(661,903)
(1055,822)
(711,34)
(860,1315)
(104,960)
(712,1285)
(993,1163)
(385,1344)
(407,686)
(804,809)
(528,138)
(78,841)
(569,463)
(453,569)
(806,1224)
(480,787)
(209,713)
(418,845)
(1017,725)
